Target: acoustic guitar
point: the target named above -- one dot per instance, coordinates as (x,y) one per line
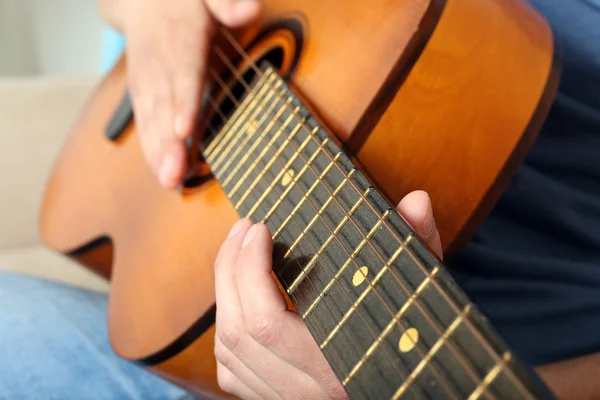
(317,120)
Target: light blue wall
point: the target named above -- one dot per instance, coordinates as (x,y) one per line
(113,45)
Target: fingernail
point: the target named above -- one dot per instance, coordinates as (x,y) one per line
(429,225)
(236,228)
(167,170)
(250,235)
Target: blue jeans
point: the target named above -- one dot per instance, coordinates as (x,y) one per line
(54,345)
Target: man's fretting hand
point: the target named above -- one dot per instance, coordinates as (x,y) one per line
(264,350)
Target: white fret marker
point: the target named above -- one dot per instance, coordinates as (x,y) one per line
(359,276)
(408,340)
(287,177)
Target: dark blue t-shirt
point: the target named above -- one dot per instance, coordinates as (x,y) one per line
(534,265)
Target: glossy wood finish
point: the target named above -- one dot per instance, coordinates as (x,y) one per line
(165,242)
(451,136)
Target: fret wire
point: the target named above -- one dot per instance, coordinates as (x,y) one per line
(224,118)
(387,355)
(289,188)
(229,154)
(318,214)
(360,298)
(367,279)
(269,163)
(241,148)
(309,191)
(281,277)
(333,235)
(337,229)
(249,101)
(489,378)
(226,146)
(262,153)
(477,334)
(330,284)
(389,326)
(218,137)
(432,351)
(276,180)
(368,327)
(470,326)
(247,136)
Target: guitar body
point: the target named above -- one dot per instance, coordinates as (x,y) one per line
(444,96)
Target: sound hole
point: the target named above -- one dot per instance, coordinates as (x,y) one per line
(226,101)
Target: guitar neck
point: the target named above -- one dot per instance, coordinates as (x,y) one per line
(384,310)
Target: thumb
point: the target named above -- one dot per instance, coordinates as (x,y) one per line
(234,13)
(416,209)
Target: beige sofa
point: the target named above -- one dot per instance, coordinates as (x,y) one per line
(36,114)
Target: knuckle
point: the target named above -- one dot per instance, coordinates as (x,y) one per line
(222,355)
(262,329)
(225,380)
(230,336)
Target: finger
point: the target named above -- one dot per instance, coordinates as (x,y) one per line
(188,68)
(268,321)
(417,210)
(233,13)
(152,99)
(231,338)
(144,98)
(234,377)
(230,383)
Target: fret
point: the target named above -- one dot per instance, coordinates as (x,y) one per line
(251,104)
(352,309)
(386,313)
(257,141)
(291,186)
(489,378)
(343,269)
(271,162)
(388,328)
(280,174)
(431,353)
(317,215)
(234,147)
(328,240)
(262,153)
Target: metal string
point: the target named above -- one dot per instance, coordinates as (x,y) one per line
(386,352)
(425,314)
(476,333)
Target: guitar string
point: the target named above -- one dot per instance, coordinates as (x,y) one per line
(315,289)
(360,313)
(468,323)
(417,304)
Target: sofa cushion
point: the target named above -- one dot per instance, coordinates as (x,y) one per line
(37,260)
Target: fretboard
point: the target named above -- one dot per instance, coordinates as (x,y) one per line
(384,310)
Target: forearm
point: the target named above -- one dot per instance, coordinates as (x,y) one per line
(577,379)
(111,12)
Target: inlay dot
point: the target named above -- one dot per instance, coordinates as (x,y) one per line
(287,177)
(359,276)
(252,128)
(408,340)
